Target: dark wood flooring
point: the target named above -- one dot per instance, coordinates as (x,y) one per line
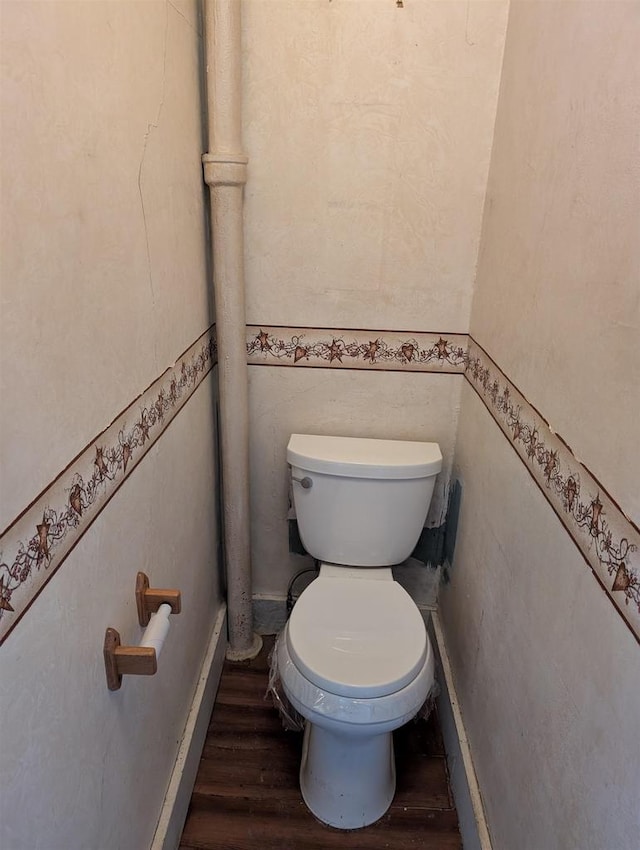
(246,795)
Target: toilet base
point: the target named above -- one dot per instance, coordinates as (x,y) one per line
(347,782)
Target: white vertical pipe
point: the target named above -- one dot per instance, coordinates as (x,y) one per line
(225,172)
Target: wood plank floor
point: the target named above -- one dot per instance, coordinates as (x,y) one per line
(246,795)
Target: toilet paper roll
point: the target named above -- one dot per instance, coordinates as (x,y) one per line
(157,630)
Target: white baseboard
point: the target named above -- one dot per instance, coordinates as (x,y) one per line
(464,783)
(183,776)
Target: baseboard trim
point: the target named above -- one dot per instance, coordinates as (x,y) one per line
(176,801)
(464,783)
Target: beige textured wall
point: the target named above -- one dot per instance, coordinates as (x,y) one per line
(557,299)
(547,671)
(104,284)
(103,255)
(368,129)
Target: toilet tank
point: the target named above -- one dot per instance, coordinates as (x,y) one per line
(361,502)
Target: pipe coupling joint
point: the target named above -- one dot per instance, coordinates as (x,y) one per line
(229,170)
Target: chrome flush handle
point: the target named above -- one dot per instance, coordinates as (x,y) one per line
(306,483)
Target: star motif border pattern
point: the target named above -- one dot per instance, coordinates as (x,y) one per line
(356,349)
(35,545)
(607,539)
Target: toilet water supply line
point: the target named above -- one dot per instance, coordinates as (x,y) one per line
(225,172)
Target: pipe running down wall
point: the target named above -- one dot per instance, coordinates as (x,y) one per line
(225,172)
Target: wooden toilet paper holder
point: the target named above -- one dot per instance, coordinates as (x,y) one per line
(137,660)
(126,660)
(149,599)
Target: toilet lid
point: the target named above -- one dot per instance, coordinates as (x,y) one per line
(357,637)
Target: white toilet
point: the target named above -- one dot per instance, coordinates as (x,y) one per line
(354,658)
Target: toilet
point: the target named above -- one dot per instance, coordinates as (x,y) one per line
(354,658)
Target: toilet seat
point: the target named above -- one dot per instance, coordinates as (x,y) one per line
(348,713)
(357,638)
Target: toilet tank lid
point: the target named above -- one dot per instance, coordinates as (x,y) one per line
(359,457)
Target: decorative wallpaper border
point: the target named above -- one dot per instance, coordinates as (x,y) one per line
(356,349)
(34,546)
(608,540)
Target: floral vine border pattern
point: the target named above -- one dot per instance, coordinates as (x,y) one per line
(34,546)
(354,349)
(607,539)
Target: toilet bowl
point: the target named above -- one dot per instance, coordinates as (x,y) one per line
(354,679)
(354,658)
